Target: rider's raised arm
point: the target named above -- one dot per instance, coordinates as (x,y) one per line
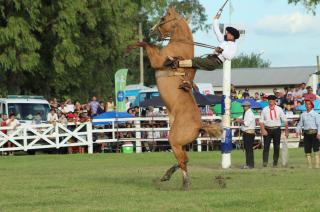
(217,30)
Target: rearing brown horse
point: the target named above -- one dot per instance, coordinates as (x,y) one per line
(184,115)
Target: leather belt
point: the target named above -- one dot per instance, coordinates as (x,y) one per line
(272,128)
(250,131)
(310,131)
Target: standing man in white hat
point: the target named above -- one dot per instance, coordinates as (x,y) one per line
(248,123)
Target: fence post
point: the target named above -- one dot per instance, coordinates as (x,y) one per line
(89,138)
(138,136)
(199,145)
(25,143)
(56,134)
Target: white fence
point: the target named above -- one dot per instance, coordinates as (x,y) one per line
(48,136)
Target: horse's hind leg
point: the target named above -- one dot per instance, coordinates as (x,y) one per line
(182,158)
(169,173)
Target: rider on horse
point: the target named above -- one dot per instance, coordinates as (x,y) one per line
(226,51)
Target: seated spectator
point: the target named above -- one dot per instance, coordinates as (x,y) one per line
(131,111)
(137,111)
(54,103)
(150,112)
(69,106)
(161,112)
(52,116)
(87,108)
(78,106)
(288,109)
(37,118)
(13,123)
(94,104)
(63,109)
(63,119)
(303,88)
(101,108)
(110,104)
(83,117)
(4,123)
(279,99)
(260,97)
(234,95)
(127,103)
(288,100)
(309,95)
(246,94)
(165,111)
(256,96)
(298,93)
(240,94)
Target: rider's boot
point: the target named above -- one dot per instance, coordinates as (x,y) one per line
(309,160)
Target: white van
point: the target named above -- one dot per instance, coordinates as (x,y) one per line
(25,107)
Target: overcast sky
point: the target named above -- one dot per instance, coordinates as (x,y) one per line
(287,35)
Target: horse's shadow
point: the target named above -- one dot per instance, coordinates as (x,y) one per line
(153,182)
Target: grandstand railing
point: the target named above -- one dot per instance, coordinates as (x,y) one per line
(48,136)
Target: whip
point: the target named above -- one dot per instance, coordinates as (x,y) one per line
(221,9)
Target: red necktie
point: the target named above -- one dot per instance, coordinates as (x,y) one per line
(274,111)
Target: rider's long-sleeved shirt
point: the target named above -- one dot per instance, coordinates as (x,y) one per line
(229,47)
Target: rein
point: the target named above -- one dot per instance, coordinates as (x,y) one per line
(192,43)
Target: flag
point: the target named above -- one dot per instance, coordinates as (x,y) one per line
(120,89)
(231,8)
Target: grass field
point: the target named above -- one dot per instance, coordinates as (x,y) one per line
(117,182)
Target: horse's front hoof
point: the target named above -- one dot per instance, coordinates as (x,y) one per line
(186,185)
(186,86)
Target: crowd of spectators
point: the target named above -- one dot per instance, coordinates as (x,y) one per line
(68,111)
(289,98)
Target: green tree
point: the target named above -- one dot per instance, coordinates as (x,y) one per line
(63,48)
(309,4)
(250,61)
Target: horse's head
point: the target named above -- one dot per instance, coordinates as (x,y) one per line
(165,27)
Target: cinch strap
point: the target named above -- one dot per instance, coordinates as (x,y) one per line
(169,73)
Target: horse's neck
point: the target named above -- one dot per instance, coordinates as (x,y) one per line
(182,32)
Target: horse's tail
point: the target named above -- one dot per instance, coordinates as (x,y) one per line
(214,130)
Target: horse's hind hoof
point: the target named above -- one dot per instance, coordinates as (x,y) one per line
(165,178)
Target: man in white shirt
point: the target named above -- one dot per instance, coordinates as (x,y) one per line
(270,123)
(248,123)
(310,123)
(225,51)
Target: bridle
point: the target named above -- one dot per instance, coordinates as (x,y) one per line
(164,36)
(157,28)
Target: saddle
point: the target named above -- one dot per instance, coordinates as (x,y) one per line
(187,84)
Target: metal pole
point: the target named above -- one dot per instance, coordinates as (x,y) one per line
(315,87)
(141,56)
(226,142)
(230,8)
